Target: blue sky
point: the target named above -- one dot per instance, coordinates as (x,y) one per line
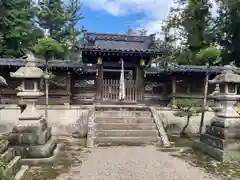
(114,16)
(102,21)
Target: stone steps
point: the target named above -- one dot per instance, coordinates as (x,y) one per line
(128,141)
(123,113)
(120,125)
(123,120)
(125,126)
(126,133)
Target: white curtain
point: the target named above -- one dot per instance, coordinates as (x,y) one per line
(122,83)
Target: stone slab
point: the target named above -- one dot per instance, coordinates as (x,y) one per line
(130,141)
(125,126)
(39,138)
(114,119)
(213,141)
(36,151)
(126,133)
(30,126)
(3,145)
(13,167)
(8,155)
(218,154)
(226,122)
(223,133)
(42,161)
(22,173)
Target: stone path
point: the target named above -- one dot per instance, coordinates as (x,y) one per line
(134,163)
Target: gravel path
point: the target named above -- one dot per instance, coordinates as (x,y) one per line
(134,163)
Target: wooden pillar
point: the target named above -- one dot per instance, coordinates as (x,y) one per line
(99,81)
(72,86)
(68,86)
(174,89)
(139,83)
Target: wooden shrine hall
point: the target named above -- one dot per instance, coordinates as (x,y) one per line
(109,52)
(95,78)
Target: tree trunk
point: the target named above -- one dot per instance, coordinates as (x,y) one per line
(182,134)
(204,102)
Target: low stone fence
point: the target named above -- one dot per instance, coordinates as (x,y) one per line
(64,119)
(175,124)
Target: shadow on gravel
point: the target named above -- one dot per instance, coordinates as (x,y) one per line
(69,157)
(225,171)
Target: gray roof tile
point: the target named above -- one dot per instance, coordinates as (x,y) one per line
(118,42)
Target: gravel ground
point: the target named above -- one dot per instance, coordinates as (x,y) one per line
(134,163)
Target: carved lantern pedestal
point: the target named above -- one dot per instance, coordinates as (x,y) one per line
(31,137)
(222,138)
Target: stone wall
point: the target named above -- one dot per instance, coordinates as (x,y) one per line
(64,119)
(175,124)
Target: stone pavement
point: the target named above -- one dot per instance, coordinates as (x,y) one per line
(134,163)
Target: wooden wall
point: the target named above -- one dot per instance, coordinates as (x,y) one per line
(80,88)
(159,88)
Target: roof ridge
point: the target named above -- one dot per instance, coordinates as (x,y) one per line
(118,34)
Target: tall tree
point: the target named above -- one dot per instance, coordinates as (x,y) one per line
(16,26)
(227,30)
(52,18)
(193,18)
(71,31)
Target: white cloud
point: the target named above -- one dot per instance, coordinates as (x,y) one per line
(155,10)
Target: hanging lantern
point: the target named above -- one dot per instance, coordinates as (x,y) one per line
(142,62)
(99,60)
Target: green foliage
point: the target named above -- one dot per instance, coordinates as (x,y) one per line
(47,47)
(227,30)
(51,17)
(193,23)
(209,56)
(188,107)
(3,167)
(16,26)
(59,19)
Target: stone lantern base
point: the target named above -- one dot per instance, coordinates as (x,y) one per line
(220,142)
(33,141)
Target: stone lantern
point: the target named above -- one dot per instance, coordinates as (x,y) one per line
(221,139)
(31,137)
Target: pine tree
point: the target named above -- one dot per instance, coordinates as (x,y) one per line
(192,18)
(227,30)
(52,18)
(15,26)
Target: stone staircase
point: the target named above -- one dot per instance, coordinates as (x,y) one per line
(124,125)
(14,169)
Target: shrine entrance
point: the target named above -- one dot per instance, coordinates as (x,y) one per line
(109,89)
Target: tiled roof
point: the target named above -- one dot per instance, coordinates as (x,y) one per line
(53,63)
(92,67)
(118,42)
(186,68)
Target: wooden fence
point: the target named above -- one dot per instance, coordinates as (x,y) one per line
(111,90)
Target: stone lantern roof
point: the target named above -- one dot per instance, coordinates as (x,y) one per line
(228,76)
(30,70)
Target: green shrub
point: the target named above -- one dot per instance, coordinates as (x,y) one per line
(3,167)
